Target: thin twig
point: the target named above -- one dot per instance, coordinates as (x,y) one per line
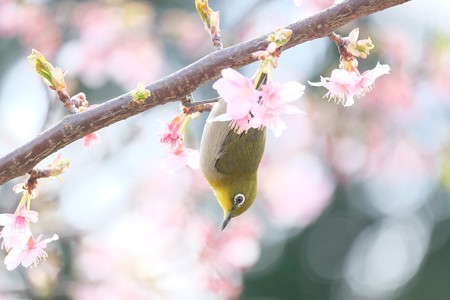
(191,104)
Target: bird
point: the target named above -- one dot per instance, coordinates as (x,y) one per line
(230,161)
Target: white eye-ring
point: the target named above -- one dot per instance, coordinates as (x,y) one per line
(239,199)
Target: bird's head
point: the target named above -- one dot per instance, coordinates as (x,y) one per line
(235,195)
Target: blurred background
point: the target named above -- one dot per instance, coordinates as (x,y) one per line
(353,203)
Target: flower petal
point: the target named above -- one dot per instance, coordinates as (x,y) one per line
(14,258)
(291,91)
(6,219)
(368,77)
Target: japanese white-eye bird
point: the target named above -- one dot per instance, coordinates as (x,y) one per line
(230,163)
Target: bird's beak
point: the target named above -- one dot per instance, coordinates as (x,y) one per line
(226,220)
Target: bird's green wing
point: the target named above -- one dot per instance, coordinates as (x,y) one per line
(241,153)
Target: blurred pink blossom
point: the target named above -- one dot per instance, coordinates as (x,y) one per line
(225,255)
(296,191)
(176,160)
(91,140)
(16,230)
(32,24)
(224,286)
(30,253)
(9,23)
(344,85)
(184,29)
(191,260)
(108,41)
(226,248)
(120,288)
(396,93)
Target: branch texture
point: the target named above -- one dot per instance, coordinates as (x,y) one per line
(177,85)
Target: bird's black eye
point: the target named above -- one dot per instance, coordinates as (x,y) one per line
(239,199)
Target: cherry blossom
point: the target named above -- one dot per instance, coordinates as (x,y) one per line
(344,86)
(16,230)
(249,108)
(177,160)
(91,140)
(274,103)
(30,253)
(240,95)
(172,137)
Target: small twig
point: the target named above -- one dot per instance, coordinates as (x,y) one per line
(202,102)
(215,38)
(187,100)
(201,107)
(341,43)
(190,106)
(32,181)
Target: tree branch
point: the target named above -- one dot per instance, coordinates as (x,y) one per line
(177,85)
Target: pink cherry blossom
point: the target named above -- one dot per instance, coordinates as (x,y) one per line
(344,85)
(30,253)
(172,137)
(177,160)
(249,108)
(240,95)
(91,140)
(369,76)
(32,25)
(173,140)
(16,230)
(274,103)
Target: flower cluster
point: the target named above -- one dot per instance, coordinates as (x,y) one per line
(248,107)
(259,102)
(23,249)
(347,82)
(18,240)
(173,141)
